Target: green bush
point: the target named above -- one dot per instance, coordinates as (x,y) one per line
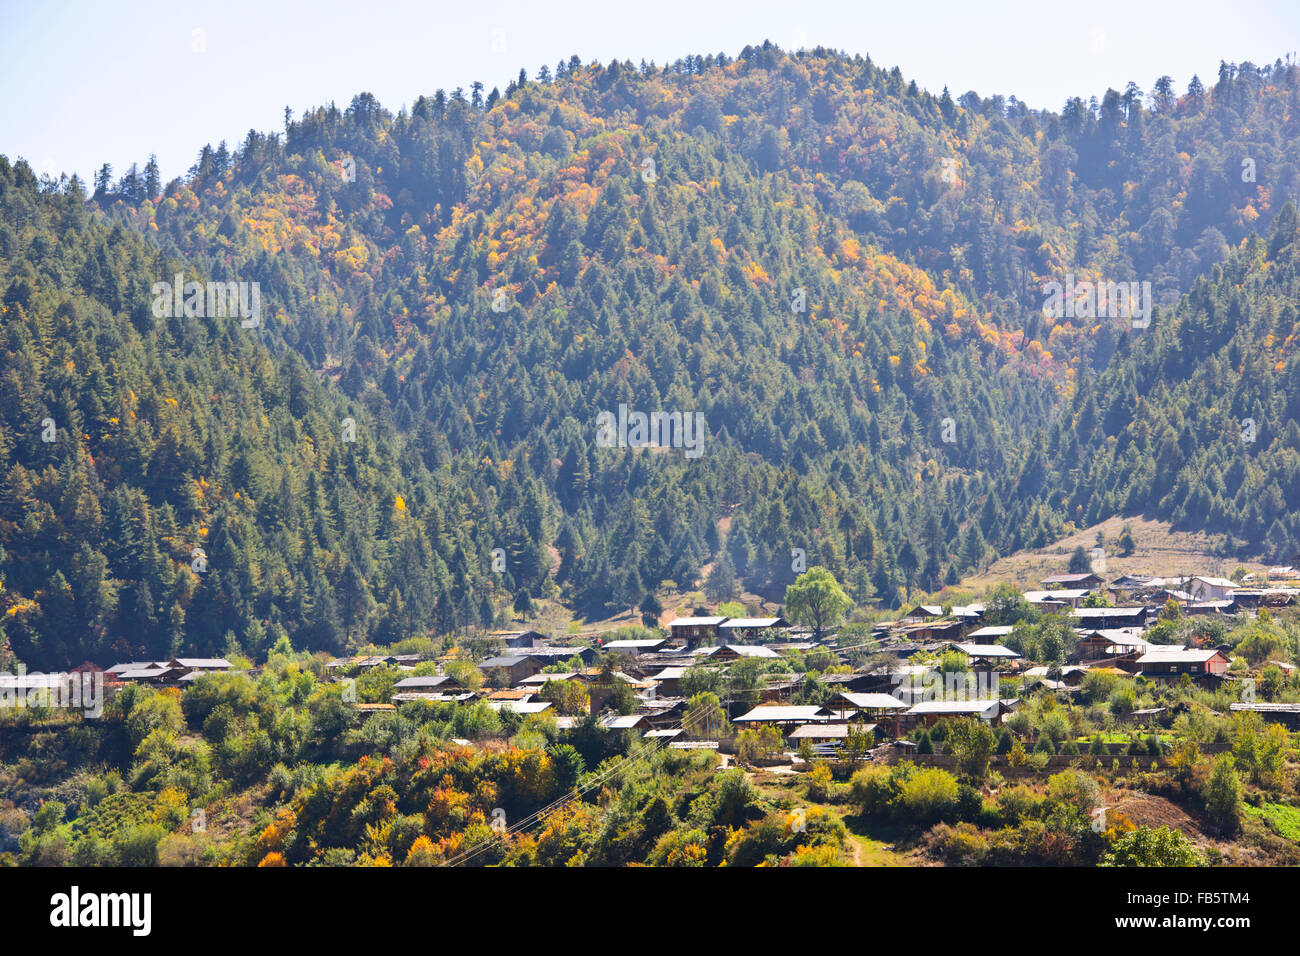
(1147,847)
(929,795)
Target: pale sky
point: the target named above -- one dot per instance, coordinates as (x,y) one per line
(86,83)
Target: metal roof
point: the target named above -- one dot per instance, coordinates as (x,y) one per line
(954,706)
(874,701)
(986,650)
(783,713)
(820,731)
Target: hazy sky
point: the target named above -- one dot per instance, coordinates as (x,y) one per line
(86,83)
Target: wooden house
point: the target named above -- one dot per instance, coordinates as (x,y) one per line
(694,631)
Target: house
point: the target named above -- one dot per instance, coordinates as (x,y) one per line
(510,670)
(1064,597)
(519,706)
(1203,588)
(669,680)
(1265,597)
(986,653)
(451,697)
(1111,644)
(538,680)
(694,631)
(990,633)
(824,733)
(1162,662)
(734,652)
(968,613)
(431,684)
(1071,676)
(626,722)
(1086,580)
(664,712)
(147,672)
(883,709)
(351,665)
(934,629)
(787,717)
(1110,617)
(1131,582)
(634,648)
(741,629)
(872,704)
(207,665)
(521,639)
(1198,608)
(548,655)
(1286,714)
(887,679)
(930,712)
(1049,602)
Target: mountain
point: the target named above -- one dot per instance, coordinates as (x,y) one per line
(844,275)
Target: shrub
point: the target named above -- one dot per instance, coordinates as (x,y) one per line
(1016,804)
(970,804)
(875,790)
(962,845)
(1147,847)
(819,781)
(1075,789)
(1222,795)
(929,795)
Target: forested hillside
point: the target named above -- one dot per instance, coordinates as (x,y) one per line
(843,273)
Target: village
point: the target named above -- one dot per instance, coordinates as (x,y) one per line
(810,696)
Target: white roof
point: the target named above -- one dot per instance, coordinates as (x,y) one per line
(1159,654)
(695,621)
(633,645)
(1129,636)
(821,731)
(1216,582)
(986,650)
(520,706)
(954,707)
(1106,611)
(750,622)
(744,650)
(1042,670)
(783,712)
(1044,597)
(210,663)
(992,630)
(956,610)
(874,701)
(623,721)
(670,673)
